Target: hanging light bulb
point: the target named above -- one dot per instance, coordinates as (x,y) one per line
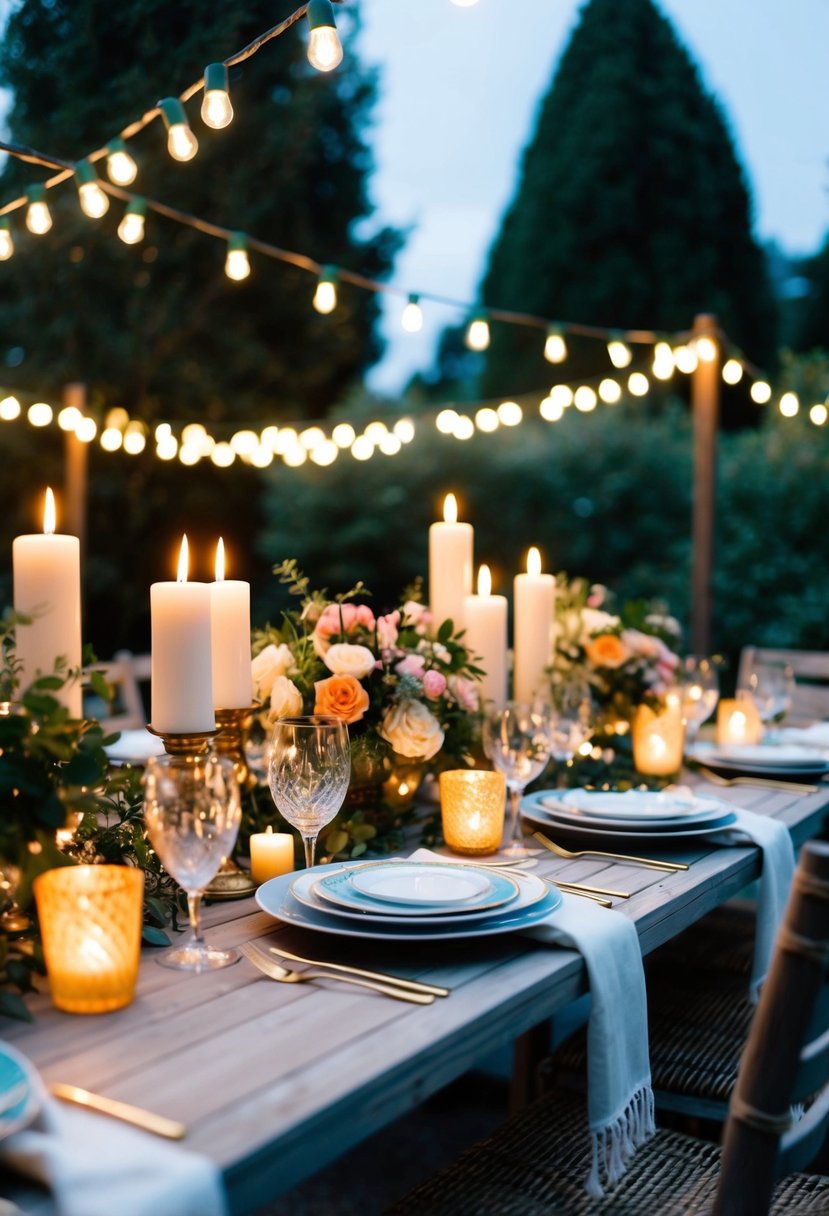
(663,361)
(619,352)
(38,215)
(706,349)
(555,348)
(6,242)
(760,392)
(121,168)
(477,332)
(181,142)
(412,316)
(325,297)
(94,202)
(325,50)
(237,263)
(732,372)
(216,110)
(131,228)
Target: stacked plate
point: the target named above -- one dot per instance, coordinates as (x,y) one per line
(640,814)
(20,1092)
(768,759)
(417,901)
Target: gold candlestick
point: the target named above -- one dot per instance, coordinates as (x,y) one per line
(194,743)
(232,882)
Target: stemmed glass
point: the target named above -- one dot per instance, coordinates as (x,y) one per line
(517,741)
(700,687)
(571,723)
(308,773)
(771,687)
(192,812)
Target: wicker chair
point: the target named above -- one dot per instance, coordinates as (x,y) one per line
(536,1165)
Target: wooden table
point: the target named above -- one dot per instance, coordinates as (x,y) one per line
(274,1081)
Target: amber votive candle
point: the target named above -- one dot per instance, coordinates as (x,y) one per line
(738,721)
(659,738)
(472,810)
(271,854)
(90,922)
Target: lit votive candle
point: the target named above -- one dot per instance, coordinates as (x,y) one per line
(90,920)
(659,738)
(738,721)
(472,810)
(271,854)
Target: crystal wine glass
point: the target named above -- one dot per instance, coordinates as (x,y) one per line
(192,812)
(517,741)
(700,687)
(571,723)
(771,687)
(308,773)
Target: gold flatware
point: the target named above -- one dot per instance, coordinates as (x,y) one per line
(157,1124)
(587,889)
(283,976)
(571,854)
(409,985)
(769,783)
(570,890)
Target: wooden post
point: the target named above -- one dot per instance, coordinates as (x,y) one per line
(75,470)
(705,406)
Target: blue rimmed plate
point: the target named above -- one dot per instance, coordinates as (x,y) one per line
(422,884)
(341,889)
(306,889)
(20,1093)
(543,809)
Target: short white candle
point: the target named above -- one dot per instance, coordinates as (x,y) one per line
(534,603)
(182,681)
(450,566)
(230,631)
(486,637)
(271,854)
(47,587)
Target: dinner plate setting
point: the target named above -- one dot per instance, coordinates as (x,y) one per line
(771,758)
(20,1094)
(637,814)
(408,901)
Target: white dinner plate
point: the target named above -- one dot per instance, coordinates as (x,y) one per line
(766,760)
(20,1091)
(533,808)
(275,898)
(135,747)
(336,889)
(421,883)
(634,805)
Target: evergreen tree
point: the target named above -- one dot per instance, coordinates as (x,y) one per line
(631,208)
(812,328)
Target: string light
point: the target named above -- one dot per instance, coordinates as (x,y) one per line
(464,428)
(131,228)
(86,429)
(509,413)
(610,391)
(706,349)
(223,455)
(404,429)
(477,332)
(619,352)
(216,110)
(38,215)
(9,409)
(685,359)
(69,417)
(760,392)
(94,203)
(585,398)
(325,296)
(343,434)
(818,414)
(789,405)
(40,414)
(555,347)
(237,263)
(412,316)
(121,167)
(325,51)
(487,420)
(732,372)
(551,410)
(6,242)
(181,142)
(562,395)
(638,384)
(663,361)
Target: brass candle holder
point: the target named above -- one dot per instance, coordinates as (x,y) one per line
(232,882)
(191,743)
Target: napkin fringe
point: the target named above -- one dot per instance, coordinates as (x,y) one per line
(613,1145)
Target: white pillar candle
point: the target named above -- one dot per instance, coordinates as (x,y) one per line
(230,631)
(271,854)
(47,587)
(534,603)
(450,566)
(182,681)
(486,637)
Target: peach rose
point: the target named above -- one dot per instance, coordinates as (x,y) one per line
(341,697)
(607,651)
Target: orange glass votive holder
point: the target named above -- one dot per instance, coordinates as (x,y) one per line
(472,810)
(90,922)
(659,738)
(738,721)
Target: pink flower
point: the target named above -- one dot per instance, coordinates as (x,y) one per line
(434,684)
(465,692)
(412,665)
(387,628)
(338,620)
(417,615)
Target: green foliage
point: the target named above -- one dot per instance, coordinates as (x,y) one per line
(812,329)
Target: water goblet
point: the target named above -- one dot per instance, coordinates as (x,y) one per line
(771,687)
(192,812)
(571,724)
(700,687)
(517,741)
(308,773)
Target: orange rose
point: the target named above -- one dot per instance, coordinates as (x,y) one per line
(607,651)
(341,697)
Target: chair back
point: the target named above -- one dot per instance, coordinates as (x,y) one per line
(786,1058)
(811,678)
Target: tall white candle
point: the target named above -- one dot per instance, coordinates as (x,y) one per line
(486,637)
(47,586)
(533,605)
(450,566)
(230,631)
(182,681)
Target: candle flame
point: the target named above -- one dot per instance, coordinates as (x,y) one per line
(484,581)
(533,562)
(183,561)
(450,509)
(49,512)
(220,561)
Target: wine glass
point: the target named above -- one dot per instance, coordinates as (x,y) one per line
(517,741)
(308,773)
(771,687)
(571,723)
(192,812)
(700,687)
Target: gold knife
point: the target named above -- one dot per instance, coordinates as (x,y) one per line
(119,1110)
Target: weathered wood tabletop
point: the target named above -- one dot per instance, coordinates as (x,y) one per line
(273,1081)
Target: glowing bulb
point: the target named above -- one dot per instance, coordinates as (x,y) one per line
(562,394)
(685,358)
(484,581)
(326,452)
(638,384)
(237,263)
(404,429)
(760,392)
(131,228)
(464,428)
(509,413)
(216,110)
(111,439)
(223,455)
(181,142)
(445,421)
(194,432)
(706,349)
(244,443)
(313,436)
(325,50)
(38,216)
(163,431)
(412,316)
(550,410)
(555,348)
(39,414)
(663,361)
(450,509)
(94,202)
(166,447)
(86,430)
(610,391)
(818,414)
(121,168)
(533,562)
(362,448)
(134,439)
(477,333)
(343,434)
(619,352)
(732,372)
(390,445)
(325,296)
(295,456)
(69,417)
(487,420)
(789,405)
(9,409)
(6,242)
(585,398)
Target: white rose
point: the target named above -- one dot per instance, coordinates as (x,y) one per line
(345,659)
(412,730)
(593,620)
(286,699)
(271,662)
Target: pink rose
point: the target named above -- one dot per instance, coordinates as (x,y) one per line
(387,629)
(465,692)
(417,615)
(340,620)
(434,684)
(412,665)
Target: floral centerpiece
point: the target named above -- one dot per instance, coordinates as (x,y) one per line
(405,684)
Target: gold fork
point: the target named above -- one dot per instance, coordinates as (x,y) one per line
(769,783)
(379,976)
(570,855)
(283,976)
